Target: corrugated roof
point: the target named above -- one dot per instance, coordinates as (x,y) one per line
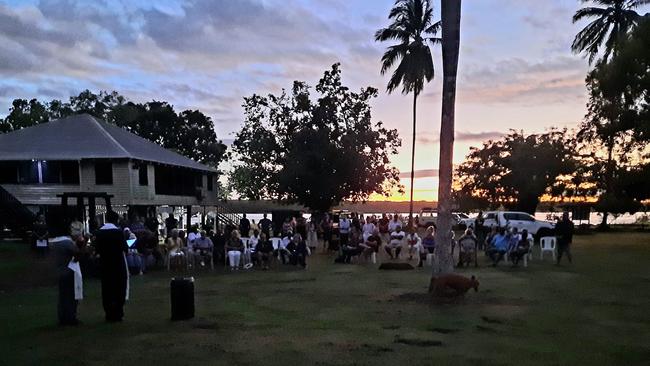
(85,137)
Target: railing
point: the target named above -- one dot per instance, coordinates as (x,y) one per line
(226,217)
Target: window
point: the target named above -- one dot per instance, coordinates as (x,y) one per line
(8,172)
(70,172)
(28,172)
(210,182)
(143,174)
(491,216)
(526,217)
(51,172)
(511,216)
(198,179)
(103,172)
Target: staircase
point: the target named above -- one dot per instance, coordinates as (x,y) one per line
(227,217)
(14,215)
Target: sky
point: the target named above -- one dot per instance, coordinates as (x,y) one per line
(516,69)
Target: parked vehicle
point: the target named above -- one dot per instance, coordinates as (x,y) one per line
(429,217)
(515,219)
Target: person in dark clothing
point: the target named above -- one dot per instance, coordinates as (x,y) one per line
(65,249)
(564,233)
(266,226)
(264,251)
(480,230)
(522,249)
(170,224)
(112,249)
(40,235)
(244,226)
(298,251)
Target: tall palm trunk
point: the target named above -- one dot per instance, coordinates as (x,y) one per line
(415,99)
(450,10)
(609,178)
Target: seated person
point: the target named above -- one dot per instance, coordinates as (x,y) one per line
(413,242)
(395,243)
(372,243)
(498,246)
(264,251)
(428,245)
(203,248)
(368,228)
(520,249)
(174,245)
(352,248)
(467,246)
(234,248)
(298,251)
(282,252)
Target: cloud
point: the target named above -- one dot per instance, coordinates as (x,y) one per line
(460,136)
(422,173)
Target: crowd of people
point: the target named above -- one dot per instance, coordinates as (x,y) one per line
(122,247)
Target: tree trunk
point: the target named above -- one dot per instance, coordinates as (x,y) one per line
(450,48)
(415,98)
(608,178)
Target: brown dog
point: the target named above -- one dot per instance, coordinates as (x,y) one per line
(452,285)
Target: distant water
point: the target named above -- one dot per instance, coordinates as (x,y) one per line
(594,218)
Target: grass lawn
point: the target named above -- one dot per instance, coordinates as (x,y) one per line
(595,312)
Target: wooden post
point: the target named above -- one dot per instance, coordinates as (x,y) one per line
(189,218)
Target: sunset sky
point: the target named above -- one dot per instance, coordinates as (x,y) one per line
(516,68)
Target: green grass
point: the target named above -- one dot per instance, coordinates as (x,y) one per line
(595,312)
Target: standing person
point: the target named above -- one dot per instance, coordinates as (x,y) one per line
(394,223)
(266,226)
(112,249)
(170,224)
(326,228)
(244,226)
(69,273)
(234,247)
(254,226)
(344,230)
(383,227)
(480,229)
(564,232)
(40,235)
(312,235)
(356,220)
(301,227)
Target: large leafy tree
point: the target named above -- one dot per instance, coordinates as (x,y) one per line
(611,24)
(517,170)
(413,27)
(190,133)
(314,152)
(618,120)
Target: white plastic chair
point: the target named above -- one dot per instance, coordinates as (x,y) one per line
(547,244)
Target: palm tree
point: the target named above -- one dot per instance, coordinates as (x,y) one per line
(613,22)
(450,11)
(412,25)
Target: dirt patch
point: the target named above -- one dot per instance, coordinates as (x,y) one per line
(205,324)
(391,327)
(491,320)
(483,328)
(443,330)
(418,342)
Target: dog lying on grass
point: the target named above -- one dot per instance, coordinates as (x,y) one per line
(452,285)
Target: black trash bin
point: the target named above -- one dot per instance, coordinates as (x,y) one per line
(182,298)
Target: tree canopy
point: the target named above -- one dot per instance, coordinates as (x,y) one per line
(314,152)
(190,133)
(517,170)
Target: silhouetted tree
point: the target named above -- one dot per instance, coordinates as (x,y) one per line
(314,152)
(610,27)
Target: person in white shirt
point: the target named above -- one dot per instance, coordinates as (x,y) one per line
(249,247)
(283,252)
(414,243)
(396,241)
(344,230)
(394,223)
(368,229)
